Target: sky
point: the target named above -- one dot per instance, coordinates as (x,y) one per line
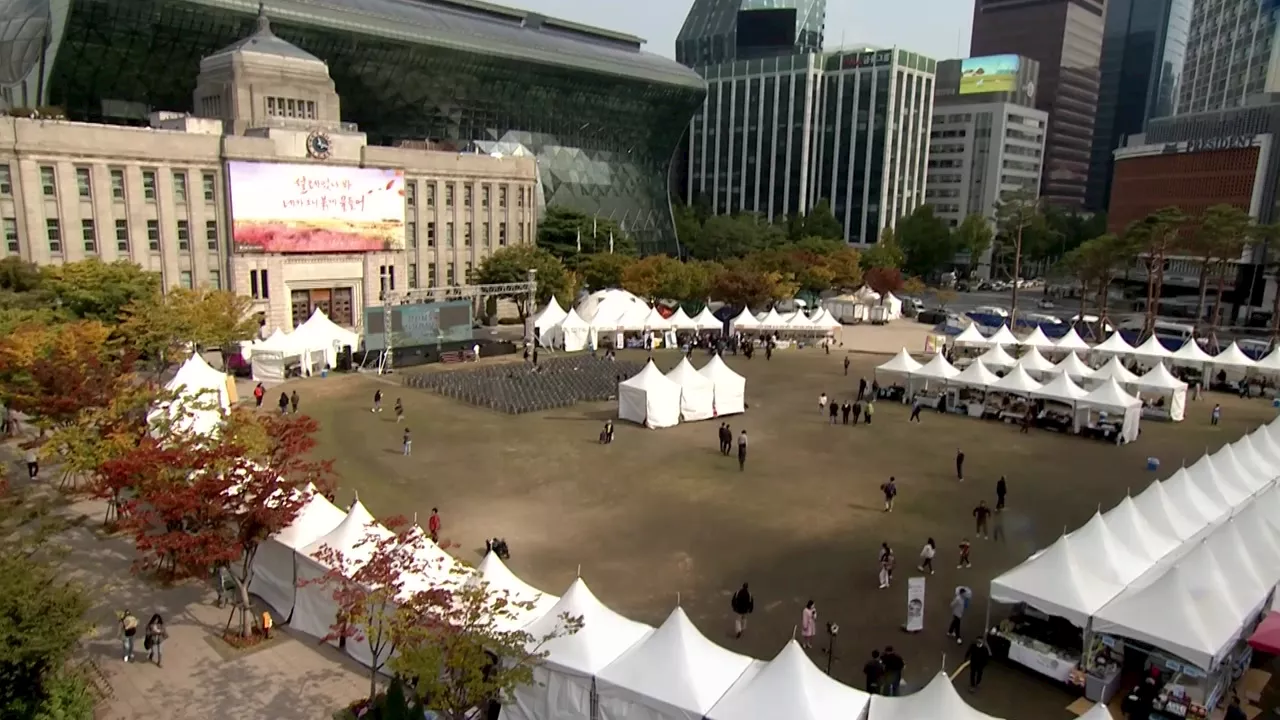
(935,28)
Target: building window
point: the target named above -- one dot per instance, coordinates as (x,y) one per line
(387,278)
(84,184)
(448,194)
(6,182)
(484,196)
(502,196)
(48,181)
(153,235)
(11,236)
(466,196)
(502,234)
(149,185)
(413,275)
(54,231)
(117,184)
(520,197)
(184,279)
(431,194)
(90,234)
(122,236)
(180,188)
(411,233)
(184,235)
(466,235)
(448,234)
(431,234)
(211,234)
(521,226)
(431,275)
(215,279)
(467,276)
(207,186)
(259,289)
(484,234)
(449,275)
(410,193)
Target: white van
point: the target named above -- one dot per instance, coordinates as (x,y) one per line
(1178,333)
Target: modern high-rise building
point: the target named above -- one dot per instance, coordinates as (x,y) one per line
(601,116)
(717,31)
(1230,55)
(1065,37)
(777,135)
(987,139)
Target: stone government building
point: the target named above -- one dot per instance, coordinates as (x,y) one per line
(602,117)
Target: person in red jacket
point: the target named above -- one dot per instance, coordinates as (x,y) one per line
(433,525)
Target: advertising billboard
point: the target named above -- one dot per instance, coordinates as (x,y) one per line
(418,324)
(282,208)
(994,73)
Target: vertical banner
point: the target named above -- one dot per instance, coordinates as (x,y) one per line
(915,604)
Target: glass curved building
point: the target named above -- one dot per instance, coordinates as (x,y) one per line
(602,117)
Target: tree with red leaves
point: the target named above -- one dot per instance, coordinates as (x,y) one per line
(883,280)
(197,507)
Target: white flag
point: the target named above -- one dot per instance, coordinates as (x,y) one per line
(610,242)
(579,239)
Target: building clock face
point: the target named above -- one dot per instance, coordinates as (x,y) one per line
(318,145)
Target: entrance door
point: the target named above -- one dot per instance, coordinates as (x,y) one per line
(343,312)
(320,300)
(301,302)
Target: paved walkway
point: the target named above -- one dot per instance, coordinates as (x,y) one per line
(202,678)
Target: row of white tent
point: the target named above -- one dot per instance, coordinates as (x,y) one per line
(1185,566)
(555,327)
(657,401)
(821,322)
(314,344)
(1190,354)
(612,668)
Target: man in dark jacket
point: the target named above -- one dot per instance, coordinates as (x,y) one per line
(893,667)
(874,671)
(743,605)
(978,655)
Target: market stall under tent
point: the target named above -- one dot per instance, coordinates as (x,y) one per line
(1160,381)
(1061,388)
(697,393)
(772,321)
(900,364)
(1109,397)
(970,337)
(1073,367)
(789,686)
(320,332)
(680,320)
(1038,340)
(649,398)
(937,370)
(1270,363)
(1071,342)
(938,700)
(653,320)
(730,387)
(1057,581)
(705,320)
(976,375)
(997,359)
(745,321)
(1003,336)
(825,320)
(1017,382)
(1114,345)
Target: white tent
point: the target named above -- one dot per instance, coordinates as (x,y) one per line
(976,375)
(574,332)
(201,396)
(545,322)
(653,320)
(1152,349)
(744,321)
(697,393)
(1264,445)
(635,319)
(970,337)
(675,673)
(1270,363)
(706,320)
(1112,398)
(1142,538)
(892,302)
(800,322)
(1038,340)
(1162,511)
(772,321)
(1159,380)
(1058,581)
(314,610)
(730,387)
(1035,363)
(1225,492)
(936,701)
(321,333)
(997,358)
(900,364)
(1263,470)
(1098,712)
(272,356)
(561,686)
(825,320)
(1071,342)
(1017,382)
(1073,367)
(1003,336)
(649,399)
(1114,345)
(789,686)
(936,369)
(275,577)
(1113,369)
(1191,354)
(1233,357)
(1062,389)
(604,308)
(1110,559)
(1191,501)
(504,583)
(680,320)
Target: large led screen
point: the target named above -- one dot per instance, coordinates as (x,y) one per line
(994,73)
(282,208)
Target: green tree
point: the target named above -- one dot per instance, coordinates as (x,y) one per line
(94,290)
(1153,239)
(512,264)
(820,222)
(884,254)
(601,271)
(657,277)
(688,225)
(926,242)
(973,237)
(725,237)
(163,327)
(1096,263)
(561,231)
(1016,212)
(1218,237)
(701,275)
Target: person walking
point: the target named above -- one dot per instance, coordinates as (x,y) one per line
(284,403)
(1002,489)
(965,548)
(156,635)
(399,411)
(874,672)
(433,525)
(890,490)
(846,366)
(742,605)
(720,436)
(728,439)
(407,442)
(822,403)
(33,462)
(259,392)
(927,553)
(808,624)
(857,411)
(377,401)
(978,656)
(959,464)
(128,629)
(980,516)
(742,451)
(893,667)
(959,603)
(862,386)
(835,412)
(886,565)
(293,402)
(845,409)
(868,411)
(1215,415)
(915,411)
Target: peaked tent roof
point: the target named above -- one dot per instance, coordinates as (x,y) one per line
(1233,356)
(1110,396)
(900,363)
(604,636)
(1242,466)
(1017,381)
(1190,352)
(744,321)
(717,370)
(653,320)
(1037,339)
(1098,712)
(500,579)
(824,319)
(651,378)
(1057,581)
(685,375)
(799,321)
(550,316)
(1071,341)
(1109,560)
(1138,535)
(772,320)
(970,336)
(707,321)
(1270,362)
(320,330)
(1159,378)
(1114,344)
(573,321)
(938,700)
(1061,387)
(355,528)
(997,358)
(1033,361)
(1152,348)
(1226,488)
(196,376)
(676,667)
(789,686)
(680,320)
(1073,366)
(1264,445)
(1003,336)
(976,375)
(1161,510)
(1191,501)
(1264,468)
(317,518)
(1115,370)
(937,368)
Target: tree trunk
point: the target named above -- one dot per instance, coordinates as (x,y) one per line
(1084,298)
(1217,301)
(1017,272)
(1149,318)
(1204,290)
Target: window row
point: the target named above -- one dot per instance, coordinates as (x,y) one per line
(524,195)
(411,234)
(291,108)
(84,184)
(89,235)
(450,275)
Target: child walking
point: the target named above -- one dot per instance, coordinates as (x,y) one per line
(927,554)
(399,410)
(964,554)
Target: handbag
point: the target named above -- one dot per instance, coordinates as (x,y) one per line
(146,643)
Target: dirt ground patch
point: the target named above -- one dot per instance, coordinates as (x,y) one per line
(661,514)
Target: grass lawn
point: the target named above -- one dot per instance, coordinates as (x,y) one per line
(661,515)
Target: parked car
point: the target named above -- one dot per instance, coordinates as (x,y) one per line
(1046,304)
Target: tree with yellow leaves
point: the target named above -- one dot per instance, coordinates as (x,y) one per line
(164,327)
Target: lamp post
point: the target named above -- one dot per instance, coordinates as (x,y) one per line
(832,631)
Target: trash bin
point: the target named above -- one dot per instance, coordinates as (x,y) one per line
(324,373)
(1153,464)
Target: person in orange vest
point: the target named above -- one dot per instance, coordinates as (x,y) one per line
(259,392)
(266,624)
